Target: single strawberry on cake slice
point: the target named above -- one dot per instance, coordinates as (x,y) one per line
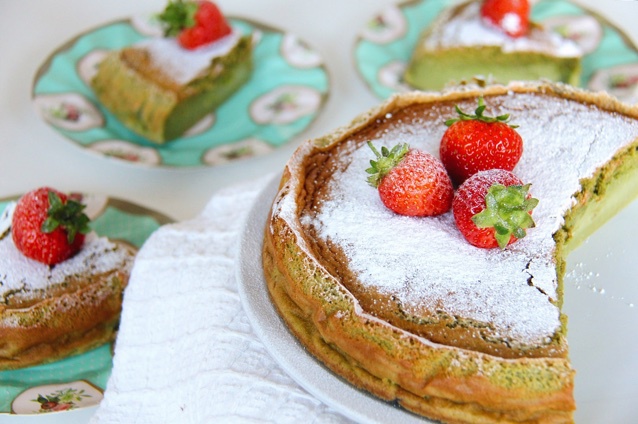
(48,226)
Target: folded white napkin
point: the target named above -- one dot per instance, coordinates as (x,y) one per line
(185,352)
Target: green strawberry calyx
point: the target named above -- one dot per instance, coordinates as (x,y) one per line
(68,216)
(385,161)
(507,211)
(478,115)
(177,16)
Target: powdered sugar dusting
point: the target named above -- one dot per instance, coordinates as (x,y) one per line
(468,29)
(426,261)
(19,274)
(184,65)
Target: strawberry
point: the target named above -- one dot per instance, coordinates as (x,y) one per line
(47,226)
(476,142)
(493,208)
(510,16)
(194,23)
(410,182)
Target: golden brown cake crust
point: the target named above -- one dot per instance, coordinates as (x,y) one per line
(68,319)
(441,381)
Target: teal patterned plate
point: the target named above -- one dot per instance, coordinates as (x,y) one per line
(385,44)
(77,382)
(287,91)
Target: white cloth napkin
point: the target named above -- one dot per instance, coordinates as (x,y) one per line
(185,352)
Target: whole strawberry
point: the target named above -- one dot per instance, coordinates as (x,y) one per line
(474,143)
(194,23)
(47,226)
(510,16)
(410,182)
(493,208)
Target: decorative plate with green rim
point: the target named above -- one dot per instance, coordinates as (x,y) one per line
(288,89)
(385,44)
(78,381)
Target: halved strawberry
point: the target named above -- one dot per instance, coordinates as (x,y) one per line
(510,16)
(474,143)
(194,23)
(493,208)
(410,182)
(48,226)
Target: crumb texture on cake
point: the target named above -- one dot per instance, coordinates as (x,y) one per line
(404,307)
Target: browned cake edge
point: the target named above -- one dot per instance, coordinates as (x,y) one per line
(64,325)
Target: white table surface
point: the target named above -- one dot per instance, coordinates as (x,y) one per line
(32,154)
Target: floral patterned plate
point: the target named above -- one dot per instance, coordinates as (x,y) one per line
(76,382)
(288,89)
(385,45)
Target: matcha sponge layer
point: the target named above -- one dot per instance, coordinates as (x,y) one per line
(147,100)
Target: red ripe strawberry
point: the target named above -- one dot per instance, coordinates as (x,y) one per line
(47,226)
(410,182)
(510,16)
(474,143)
(194,23)
(493,208)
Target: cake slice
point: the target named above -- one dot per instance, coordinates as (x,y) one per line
(160,87)
(53,309)
(404,307)
(460,46)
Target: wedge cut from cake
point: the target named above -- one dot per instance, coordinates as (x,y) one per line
(405,307)
(460,46)
(159,89)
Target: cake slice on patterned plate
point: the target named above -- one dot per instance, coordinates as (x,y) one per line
(60,291)
(161,87)
(466,42)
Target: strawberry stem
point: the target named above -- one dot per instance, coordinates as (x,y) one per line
(386,160)
(177,16)
(478,115)
(507,211)
(69,216)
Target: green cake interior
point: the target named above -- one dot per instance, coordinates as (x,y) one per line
(433,70)
(159,109)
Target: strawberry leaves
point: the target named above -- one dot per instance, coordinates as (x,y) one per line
(386,160)
(177,16)
(507,211)
(69,216)
(478,115)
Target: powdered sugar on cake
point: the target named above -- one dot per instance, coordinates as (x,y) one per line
(185,65)
(468,29)
(24,276)
(425,262)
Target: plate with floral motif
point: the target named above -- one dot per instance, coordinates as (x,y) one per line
(385,44)
(75,384)
(287,91)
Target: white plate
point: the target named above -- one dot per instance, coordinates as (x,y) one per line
(601,301)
